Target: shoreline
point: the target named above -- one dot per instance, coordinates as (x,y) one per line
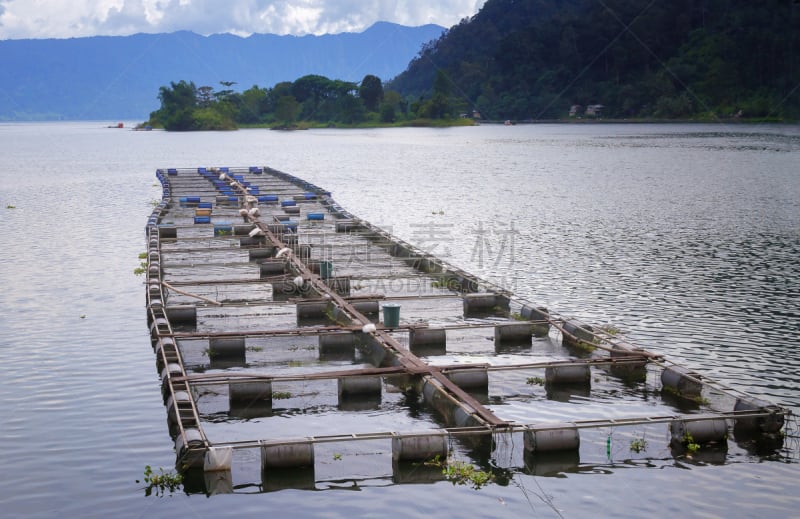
(471,122)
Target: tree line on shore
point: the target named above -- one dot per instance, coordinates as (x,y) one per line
(308,101)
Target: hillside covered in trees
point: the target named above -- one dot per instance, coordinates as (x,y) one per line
(538,59)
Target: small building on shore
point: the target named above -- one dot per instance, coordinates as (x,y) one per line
(594,110)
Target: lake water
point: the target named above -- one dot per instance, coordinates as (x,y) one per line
(684,237)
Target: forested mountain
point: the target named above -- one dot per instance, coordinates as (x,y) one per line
(119,77)
(535,59)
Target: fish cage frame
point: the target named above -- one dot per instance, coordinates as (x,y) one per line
(272,240)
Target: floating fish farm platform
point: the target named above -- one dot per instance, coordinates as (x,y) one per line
(299,346)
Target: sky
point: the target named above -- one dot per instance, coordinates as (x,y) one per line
(21,19)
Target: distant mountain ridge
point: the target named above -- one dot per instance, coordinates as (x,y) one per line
(118,77)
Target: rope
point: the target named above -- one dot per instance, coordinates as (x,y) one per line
(188,294)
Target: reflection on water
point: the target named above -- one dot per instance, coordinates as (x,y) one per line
(685,238)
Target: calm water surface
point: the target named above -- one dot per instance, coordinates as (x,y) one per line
(686,238)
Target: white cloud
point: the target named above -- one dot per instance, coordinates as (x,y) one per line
(63,19)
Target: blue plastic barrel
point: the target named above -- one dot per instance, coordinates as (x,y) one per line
(172,171)
(224,170)
(222,229)
(268,198)
(316,216)
(253,190)
(288,203)
(202,219)
(233,199)
(310,196)
(204,205)
(255,169)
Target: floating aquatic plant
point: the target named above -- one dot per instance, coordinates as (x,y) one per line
(610,329)
(160,482)
(462,473)
(689,443)
(697,399)
(142,268)
(638,444)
